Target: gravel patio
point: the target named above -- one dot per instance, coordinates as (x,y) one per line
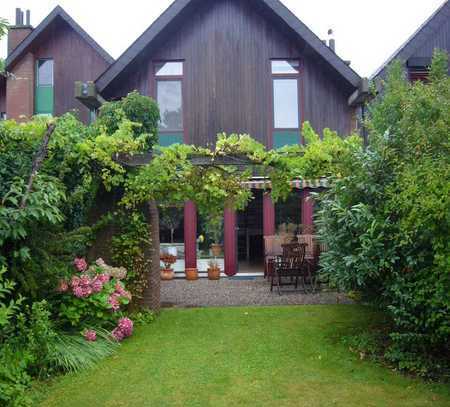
(239,292)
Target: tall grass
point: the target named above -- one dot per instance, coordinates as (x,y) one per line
(72,353)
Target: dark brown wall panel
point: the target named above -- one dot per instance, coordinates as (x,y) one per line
(75,60)
(227,46)
(2,94)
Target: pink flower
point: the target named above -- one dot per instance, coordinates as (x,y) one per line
(104,278)
(78,292)
(117,334)
(97,285)
(113,300)
(126,326)
(85,280)
(80,264)
(75,282)
(63,287)
(90,335)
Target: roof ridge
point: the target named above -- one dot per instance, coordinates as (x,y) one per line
(411,38)
(58,11)
(276,6)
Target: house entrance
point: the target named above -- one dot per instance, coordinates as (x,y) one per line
(250,240)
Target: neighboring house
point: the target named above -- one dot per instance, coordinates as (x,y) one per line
(44,62)
(243,66)
(417,51)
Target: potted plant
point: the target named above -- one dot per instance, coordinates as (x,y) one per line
(213,229)
(170,220)
(167,272)
(213,270)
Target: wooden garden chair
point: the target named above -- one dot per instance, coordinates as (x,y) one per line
(290,267)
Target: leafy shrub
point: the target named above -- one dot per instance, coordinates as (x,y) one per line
(141,110)
(128,248)
(387,223)
(94,297)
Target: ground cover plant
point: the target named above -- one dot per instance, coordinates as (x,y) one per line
(276,356)
(387,223)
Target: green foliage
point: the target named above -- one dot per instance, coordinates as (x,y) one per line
(3,31)
(387,223)
(72,353)
(213,228)
(140,110)
(7,308)
(172,179)
(128,249)
(25,345)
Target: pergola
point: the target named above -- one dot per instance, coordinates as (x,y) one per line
(152,293)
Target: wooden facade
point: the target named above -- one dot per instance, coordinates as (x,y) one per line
(74,60)
(227,47)
(76,57)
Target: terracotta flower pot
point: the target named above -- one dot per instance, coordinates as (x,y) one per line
(167,274)
(216,249)
(191,274)
(214,273)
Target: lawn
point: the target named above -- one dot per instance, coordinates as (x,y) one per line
(279,356)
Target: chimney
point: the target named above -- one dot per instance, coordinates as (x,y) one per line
(331,40)
(18,32)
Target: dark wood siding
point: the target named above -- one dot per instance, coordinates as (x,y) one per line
(440,39)
(227,46)
(74,60)
(2,94)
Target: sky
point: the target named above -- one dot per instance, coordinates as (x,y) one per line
(367,32)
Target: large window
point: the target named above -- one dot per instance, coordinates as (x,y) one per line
(169,94)
(286,106)
(44,87)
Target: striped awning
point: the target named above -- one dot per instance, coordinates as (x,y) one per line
(296,184)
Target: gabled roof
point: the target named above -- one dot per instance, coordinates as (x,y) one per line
(58,12)
(275,6)
(425,31)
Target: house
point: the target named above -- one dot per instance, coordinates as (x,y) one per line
(416,53)
(242,66)
(44,62)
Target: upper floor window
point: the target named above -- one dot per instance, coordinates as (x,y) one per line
(44,94)
(286,106)
(169,95)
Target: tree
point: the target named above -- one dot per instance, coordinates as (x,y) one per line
(387,223)
(3,31)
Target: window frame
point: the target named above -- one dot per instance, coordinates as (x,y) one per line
(37,86)
(170,78)
(300,111)
(37,73)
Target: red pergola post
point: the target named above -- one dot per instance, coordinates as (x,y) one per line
(268,215)
(307,213)
(230,248)
(190,235)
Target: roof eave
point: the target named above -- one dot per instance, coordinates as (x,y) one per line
(58,11)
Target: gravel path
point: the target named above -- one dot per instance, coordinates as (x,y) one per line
(229,292)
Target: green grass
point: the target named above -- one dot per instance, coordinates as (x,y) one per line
(280,356)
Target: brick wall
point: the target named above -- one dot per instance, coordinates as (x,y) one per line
(20,89)
(16,35)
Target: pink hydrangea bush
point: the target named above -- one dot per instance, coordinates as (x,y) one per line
(123,330)
(95,296)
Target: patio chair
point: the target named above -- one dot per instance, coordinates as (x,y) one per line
(272,249)
(290,267)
